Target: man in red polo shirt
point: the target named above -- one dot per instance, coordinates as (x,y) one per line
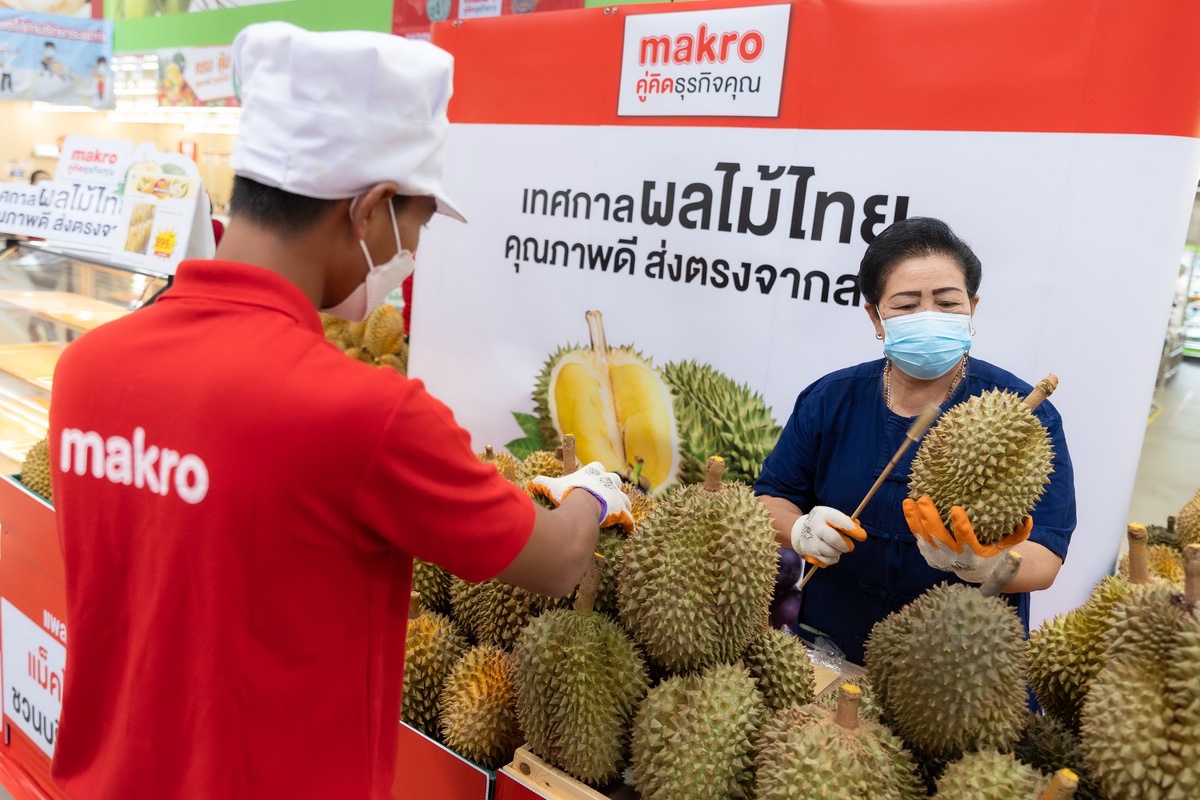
(239,503)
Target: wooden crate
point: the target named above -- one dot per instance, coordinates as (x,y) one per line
(530,778)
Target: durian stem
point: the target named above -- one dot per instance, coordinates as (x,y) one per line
(1044,389)
(414,605)
(846,715)
(1062,786)
(488,453)
(1003,574)
(712,479)
(1139,562)
(569,463)
(589,586)
(595,323)
(1170,524)
(1191,575)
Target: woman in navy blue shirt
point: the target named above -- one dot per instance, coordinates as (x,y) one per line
(920,283)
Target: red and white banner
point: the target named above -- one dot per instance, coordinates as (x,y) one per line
(1058,139)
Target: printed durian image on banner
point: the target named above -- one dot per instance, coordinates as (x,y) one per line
(654,426)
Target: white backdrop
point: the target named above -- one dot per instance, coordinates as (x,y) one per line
(1079,235)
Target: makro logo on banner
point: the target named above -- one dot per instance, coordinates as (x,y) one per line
(93,160)
(721,63)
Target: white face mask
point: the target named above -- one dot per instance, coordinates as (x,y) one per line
(381,280)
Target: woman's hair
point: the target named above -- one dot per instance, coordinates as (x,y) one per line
(913,238)
(38,173)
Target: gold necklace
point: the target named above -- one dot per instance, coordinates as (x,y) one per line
(887,381)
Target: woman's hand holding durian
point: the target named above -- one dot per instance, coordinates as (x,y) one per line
(957,550)
(615,508)
(823,534)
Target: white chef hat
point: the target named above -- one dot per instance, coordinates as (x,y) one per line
(328,115)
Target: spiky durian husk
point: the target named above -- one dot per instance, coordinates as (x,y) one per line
(432,583)
(541,462)
(541,397)
(693,737)
(868,707)
(1141,719)
(991,456)
(384,332)
(1067,652)
(35,471)
(641,504)
(696,578)
(397,361)
(781,668)
(334,328)
(804,755)
(1187,522)
(1162,535)
(494,612)
(508,465)
(1048,746)
(478,708)
(949,672)
(433,645)
(718,417)
(579,681)
(988,775)
(610,545)
(1164,562)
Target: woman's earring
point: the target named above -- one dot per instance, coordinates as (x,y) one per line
(879,336)
(972,328)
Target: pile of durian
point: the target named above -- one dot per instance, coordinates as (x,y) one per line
(380,340)
(663,672)
(35,471)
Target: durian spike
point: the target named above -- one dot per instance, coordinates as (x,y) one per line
(1003,574)
(1139,562)
(1044,389)
(414,605)
(589,586)
(595,323)
(506,469)
(846,715)
(568,457)
(1191,575)
(716,468)
(1062,786)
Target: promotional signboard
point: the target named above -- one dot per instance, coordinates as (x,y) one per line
(33,675)
(1044,136)
(74,8)
(412,18)
(196,76)
(55,59)
(138,9)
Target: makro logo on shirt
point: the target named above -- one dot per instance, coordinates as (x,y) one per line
(721,63)
(134,463)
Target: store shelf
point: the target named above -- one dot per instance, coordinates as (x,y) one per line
(76,311)
(33,363)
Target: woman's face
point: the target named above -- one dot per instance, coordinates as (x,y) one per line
(925,283)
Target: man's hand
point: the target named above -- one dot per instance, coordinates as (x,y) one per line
(823,534)
(604,486)
(957,550)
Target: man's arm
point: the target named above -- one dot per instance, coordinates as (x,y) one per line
(559,549)
(784,514)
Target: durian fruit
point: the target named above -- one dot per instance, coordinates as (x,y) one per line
(714,414)
(781,668)
(1067,652)
(868,709)
(467,601)
(494,612)
(949,668)
(35,471)
(610,545)
(541,462)
(579,681)
(432,647)
(1187,522)
(384,334)
(696,578)
(641,504)
(506,464)
(991,456)
(1141,719)
(810,753)
(397,361)
(1164,563)
(615,402)
(432,583)
(478,708)
(693,736)
(1048,746)
(1164,535)
(989,775)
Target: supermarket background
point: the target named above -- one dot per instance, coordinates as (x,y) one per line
(1104,289)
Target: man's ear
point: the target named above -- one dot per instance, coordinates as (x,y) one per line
(363,206)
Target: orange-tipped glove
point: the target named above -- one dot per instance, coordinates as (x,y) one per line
(615,508)
(957,550)
(823,534)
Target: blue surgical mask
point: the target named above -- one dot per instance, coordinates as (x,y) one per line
(926,345)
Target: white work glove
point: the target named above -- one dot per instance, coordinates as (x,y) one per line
(823,534)
(966,565)
(956,549)
(615,508)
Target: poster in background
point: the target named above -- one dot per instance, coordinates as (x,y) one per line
(196,76)
(34,662)
(163,203)
(139,9)
(56,59)
(412,18)
(735,241)
(71,8)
